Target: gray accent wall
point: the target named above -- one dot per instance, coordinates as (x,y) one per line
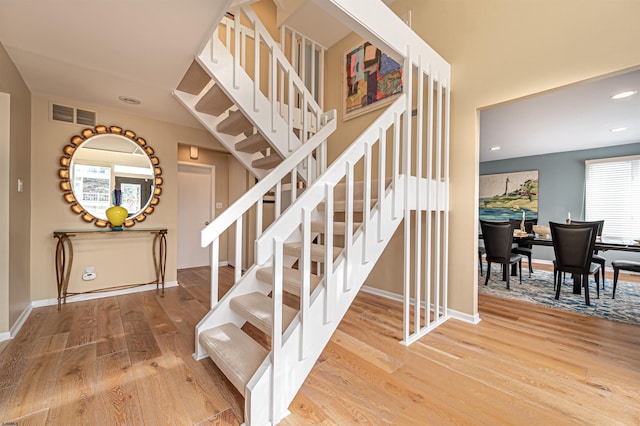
(561,186)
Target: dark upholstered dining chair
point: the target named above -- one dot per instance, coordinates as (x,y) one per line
(522,247)
(622,265)
(498,237)
(600,260)
(573,246)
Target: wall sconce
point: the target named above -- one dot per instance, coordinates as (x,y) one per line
(193,152)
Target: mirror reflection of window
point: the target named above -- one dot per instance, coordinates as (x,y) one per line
(91,184)
(131,197)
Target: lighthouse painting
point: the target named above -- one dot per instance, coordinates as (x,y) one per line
(507,196)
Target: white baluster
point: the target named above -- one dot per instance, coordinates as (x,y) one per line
(236,52)
(238,255)
(305,290)
(215,254)
(382,159)
(366,203)
(277,360)
(330,293)
(348,224)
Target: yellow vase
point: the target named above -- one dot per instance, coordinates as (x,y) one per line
(117,215)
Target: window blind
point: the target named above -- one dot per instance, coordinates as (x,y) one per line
(612,193)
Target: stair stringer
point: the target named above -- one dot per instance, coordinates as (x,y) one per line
(218,62)
(210,122)
(298,367)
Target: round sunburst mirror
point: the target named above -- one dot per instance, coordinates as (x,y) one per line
(102,159)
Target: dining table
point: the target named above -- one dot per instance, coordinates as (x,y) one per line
(603,243)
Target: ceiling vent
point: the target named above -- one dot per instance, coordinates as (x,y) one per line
(67,114)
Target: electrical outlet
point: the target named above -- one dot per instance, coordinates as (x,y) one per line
(218,205)
(89,273)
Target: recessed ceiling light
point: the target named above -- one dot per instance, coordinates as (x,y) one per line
(618,129)
(128,100)
(626,94)
(494,148)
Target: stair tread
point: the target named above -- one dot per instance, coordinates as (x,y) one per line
(291,281)
(257,308)
(254,143)
(235,124)
(317,251)
(268,162)
(235,353)
(214,102)
(338,227)
(194,80)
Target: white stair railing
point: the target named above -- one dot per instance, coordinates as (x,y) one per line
(294,352)
(427,76)
(307,57)
(402,162)
(272,185)
(277,80)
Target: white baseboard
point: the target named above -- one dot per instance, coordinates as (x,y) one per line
(461,316)
(17,325)
(382,293)
(21,320)
(90,296)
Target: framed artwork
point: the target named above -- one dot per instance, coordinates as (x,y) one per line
(371,80)
(505,196)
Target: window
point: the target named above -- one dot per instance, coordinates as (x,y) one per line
(91,185)
(613,194)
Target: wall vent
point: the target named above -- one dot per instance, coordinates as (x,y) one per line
(68,114)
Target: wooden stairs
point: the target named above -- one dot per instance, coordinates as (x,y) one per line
(240,360)
(233,128)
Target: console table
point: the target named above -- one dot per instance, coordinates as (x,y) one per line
(64,258)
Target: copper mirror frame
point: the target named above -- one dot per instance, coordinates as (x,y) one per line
(65,174)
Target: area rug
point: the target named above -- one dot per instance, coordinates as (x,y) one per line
(539,290)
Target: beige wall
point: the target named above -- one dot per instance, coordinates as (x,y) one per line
(500,50)
(120,260)
(15,207)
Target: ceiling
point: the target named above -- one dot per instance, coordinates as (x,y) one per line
(576,117)
(92,52)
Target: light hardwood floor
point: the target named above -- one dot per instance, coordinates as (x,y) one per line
(127,360)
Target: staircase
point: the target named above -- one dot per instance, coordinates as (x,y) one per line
(322,247)
(260,123)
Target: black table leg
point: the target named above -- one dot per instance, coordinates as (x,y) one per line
(577,284)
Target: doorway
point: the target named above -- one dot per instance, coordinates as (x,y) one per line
(196,209)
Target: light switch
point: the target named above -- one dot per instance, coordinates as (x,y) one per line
(218,205)
(20,185)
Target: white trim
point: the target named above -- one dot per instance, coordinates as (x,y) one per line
(100,295)
(15,328)
(223,263)
(5,185)
(613,159)
(382,293)
(5,336)
(461,316)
